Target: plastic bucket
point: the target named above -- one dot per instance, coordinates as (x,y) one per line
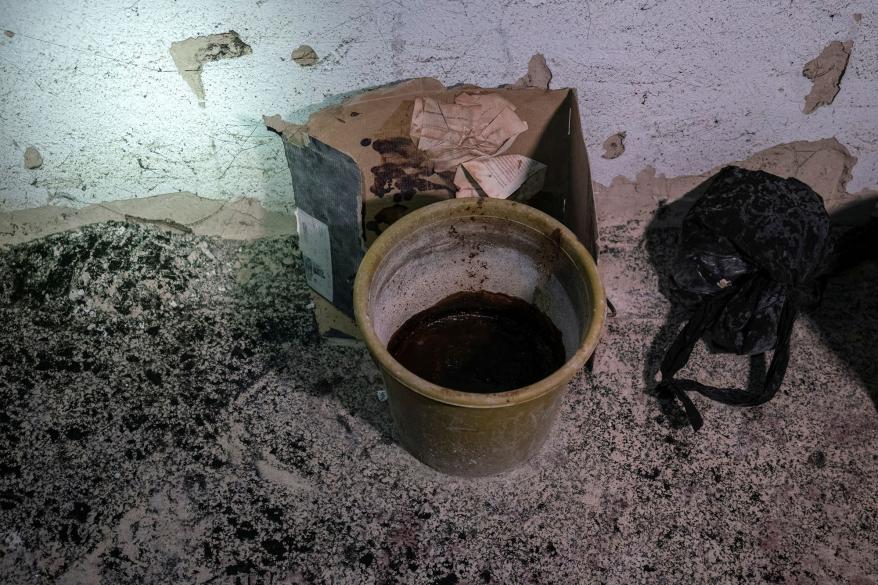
(472,245)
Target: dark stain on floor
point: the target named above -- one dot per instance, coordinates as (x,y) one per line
(169,416)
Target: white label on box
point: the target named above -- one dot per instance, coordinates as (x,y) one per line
(316,253)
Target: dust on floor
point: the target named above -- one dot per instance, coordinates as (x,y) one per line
(170,416)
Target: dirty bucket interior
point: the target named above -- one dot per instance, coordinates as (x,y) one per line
(479,253)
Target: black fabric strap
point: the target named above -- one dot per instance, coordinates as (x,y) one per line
(678,354)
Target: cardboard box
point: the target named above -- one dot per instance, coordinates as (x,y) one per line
(356,169)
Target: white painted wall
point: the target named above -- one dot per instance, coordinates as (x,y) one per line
(693,83)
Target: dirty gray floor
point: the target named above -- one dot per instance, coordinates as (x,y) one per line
(169,416)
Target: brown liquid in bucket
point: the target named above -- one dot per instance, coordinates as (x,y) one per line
(479,342)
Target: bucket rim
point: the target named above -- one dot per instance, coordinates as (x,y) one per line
(499,209)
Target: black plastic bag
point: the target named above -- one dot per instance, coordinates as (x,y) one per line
(753,249)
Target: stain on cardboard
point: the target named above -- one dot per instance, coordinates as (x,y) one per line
(614,146)
(826,72)
(304,56)
(385,218)
(405,170)
(191,54)
(538,73)
(32,158)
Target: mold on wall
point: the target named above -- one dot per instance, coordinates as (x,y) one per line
(95,89)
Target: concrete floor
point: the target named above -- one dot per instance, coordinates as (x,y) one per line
(170,416)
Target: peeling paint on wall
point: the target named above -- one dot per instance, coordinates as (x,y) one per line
(97,90)
(304,55)
(538,73)
(241,219)
(614,146)
(824,165)
(32,158)
(826,72)
(191,54)
(292,133)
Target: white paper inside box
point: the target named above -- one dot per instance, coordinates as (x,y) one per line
(361,165)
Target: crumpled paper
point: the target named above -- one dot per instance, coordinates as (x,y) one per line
(508,176)
(474,126)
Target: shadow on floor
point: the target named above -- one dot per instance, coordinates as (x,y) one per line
(847,317)
(271,283)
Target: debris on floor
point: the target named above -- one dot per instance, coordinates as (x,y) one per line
(826,71)
(170,416)
(32,158)
(304,55)
(191,54)
(538,73)
(9,33)
(614,146)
